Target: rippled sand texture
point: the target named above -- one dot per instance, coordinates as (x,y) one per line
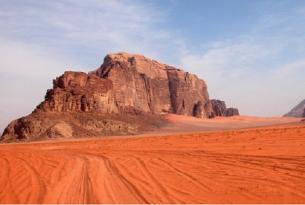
(263,165)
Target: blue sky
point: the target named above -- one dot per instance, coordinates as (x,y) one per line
(251,53)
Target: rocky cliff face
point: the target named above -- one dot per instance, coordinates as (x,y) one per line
(128,92)
(219,108)
(145,85)
(80,92)
(297,111)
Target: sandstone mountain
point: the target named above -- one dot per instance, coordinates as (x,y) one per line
(297,111)
(126,95)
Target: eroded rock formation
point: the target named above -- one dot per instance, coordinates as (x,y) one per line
(219,108)
(145,85)
(80,92)
(125,95)
(232,112)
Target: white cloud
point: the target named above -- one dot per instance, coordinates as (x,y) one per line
(103,26)
(226,60)
(27,60)
(253,74)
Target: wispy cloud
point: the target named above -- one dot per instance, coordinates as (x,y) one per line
(227,59)
(101,25)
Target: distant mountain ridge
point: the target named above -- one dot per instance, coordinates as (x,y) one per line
(297,111)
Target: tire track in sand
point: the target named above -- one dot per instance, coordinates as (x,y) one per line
(129,185)
(36,183)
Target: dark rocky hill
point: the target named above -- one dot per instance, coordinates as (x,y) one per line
(219,108)
(297,111)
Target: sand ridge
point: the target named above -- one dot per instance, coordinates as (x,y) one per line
(256,165)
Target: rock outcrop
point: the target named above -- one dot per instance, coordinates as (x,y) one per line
(232,112)
(46,125)
(125,95)
(145,85)
(297,111)
(219,108)
(303,113)
(80,92)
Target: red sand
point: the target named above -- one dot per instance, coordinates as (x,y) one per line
(256,165)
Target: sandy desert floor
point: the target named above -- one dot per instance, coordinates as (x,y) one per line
(250,165)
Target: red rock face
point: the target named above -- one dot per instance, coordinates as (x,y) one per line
(125,84)
(139,83)
(149,86)
(80,92)
(189,95)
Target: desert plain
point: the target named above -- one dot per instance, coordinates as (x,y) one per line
(189,160)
